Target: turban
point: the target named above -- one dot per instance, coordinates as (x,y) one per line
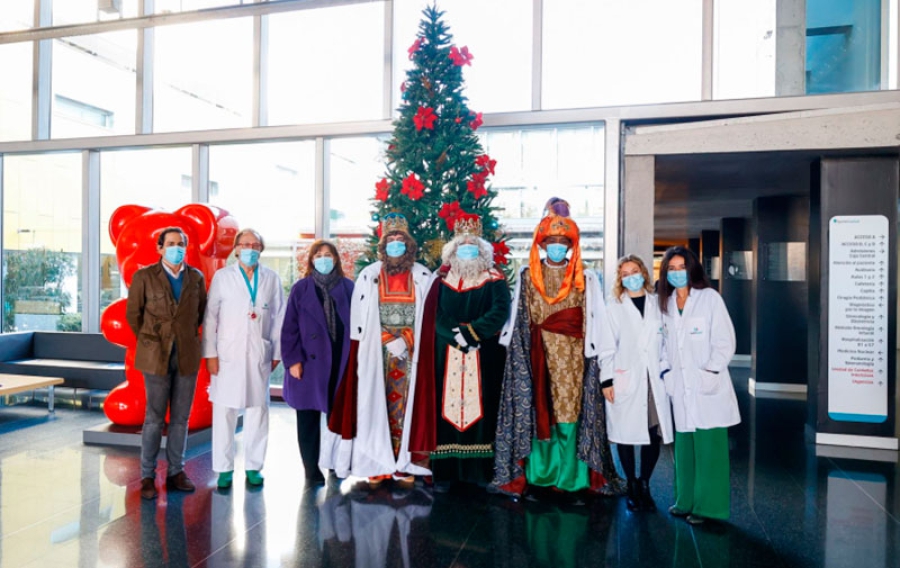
(557,223)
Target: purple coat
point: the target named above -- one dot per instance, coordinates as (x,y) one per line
(304,339)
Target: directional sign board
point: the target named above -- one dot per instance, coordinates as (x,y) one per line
(858,253)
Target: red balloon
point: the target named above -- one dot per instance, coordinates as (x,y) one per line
(134,230)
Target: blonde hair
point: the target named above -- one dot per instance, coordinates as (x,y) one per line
(618,289)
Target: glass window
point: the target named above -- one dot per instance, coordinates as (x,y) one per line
(81,11)
(168,6)
(744,55)
(534,165)
(17,15)
(354,166)
(42,242)
(499,78)
(843,45)
(15,91)
(271,188)
(621,53)
(94,85)
(317,75)
(204,75)
(158,178)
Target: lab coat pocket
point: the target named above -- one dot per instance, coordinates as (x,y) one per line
(709,382)
(226,349)
(268,350)
(623,383)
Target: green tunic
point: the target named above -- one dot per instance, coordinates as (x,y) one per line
(465,450)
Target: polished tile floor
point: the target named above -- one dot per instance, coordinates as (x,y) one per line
(65,504)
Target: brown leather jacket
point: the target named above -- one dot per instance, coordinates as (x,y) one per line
(158,322)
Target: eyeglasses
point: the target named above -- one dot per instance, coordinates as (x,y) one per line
(254,246)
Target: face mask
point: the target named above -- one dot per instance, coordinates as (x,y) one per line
(677,278)
(395,249)
(249,257)
(174,254)
(467,252)
(634,282)
(324,264)
(557,252)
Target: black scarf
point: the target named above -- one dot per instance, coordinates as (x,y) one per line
(325,283)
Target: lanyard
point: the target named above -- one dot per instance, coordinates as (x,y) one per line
(254,287)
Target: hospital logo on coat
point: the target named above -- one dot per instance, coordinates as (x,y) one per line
(696,331)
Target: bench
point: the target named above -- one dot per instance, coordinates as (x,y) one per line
(82,360)
(12,384)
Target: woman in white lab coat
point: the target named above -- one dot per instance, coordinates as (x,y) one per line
(637,408)
(241,332)
(699,344)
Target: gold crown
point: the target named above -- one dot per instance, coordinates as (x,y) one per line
(468,226)
(394,222)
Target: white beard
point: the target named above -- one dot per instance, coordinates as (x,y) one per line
(468,269)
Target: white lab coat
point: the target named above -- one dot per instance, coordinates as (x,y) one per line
(638,350)
(245,347)
(370,453)
(699,344)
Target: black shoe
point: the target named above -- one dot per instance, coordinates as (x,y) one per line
(646,500)
(633,497)
(180,482)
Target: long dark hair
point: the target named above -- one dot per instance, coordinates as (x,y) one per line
(696,275)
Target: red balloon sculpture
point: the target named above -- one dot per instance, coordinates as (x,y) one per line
(134,230)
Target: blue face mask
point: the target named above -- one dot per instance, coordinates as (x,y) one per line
(467,252)
(557,252)
(249,257)
(677,278)
(324,264)
(395,249)
(634,282)
(174,254)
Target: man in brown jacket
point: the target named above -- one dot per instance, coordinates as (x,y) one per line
(165,308)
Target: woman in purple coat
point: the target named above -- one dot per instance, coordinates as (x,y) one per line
(315,342)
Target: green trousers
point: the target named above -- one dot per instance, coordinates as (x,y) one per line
(702,485)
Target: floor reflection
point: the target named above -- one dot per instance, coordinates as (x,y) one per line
(793,505)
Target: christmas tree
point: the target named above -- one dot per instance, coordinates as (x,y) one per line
(436,169)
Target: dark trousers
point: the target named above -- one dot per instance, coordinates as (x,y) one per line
(309,423)
(649,456)
(162,392)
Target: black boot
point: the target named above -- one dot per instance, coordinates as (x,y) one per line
(633,497)
(647,502)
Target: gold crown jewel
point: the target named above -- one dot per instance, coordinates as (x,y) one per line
(394,222)
(468,226)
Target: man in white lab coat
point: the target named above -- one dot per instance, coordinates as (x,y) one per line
(241,332)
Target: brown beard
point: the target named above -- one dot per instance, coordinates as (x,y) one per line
(400,264)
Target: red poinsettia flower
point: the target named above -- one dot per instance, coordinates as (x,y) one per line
(413,187)
(476,122)
(403,87)
(382,189)
(501,251)
(414,47)
(476,188)
(450,212)
(484,161)
(461,57)
(425,118)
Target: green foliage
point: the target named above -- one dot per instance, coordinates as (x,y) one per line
(37,275)
(446,157)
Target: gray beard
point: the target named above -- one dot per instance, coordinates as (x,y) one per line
(468,269)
